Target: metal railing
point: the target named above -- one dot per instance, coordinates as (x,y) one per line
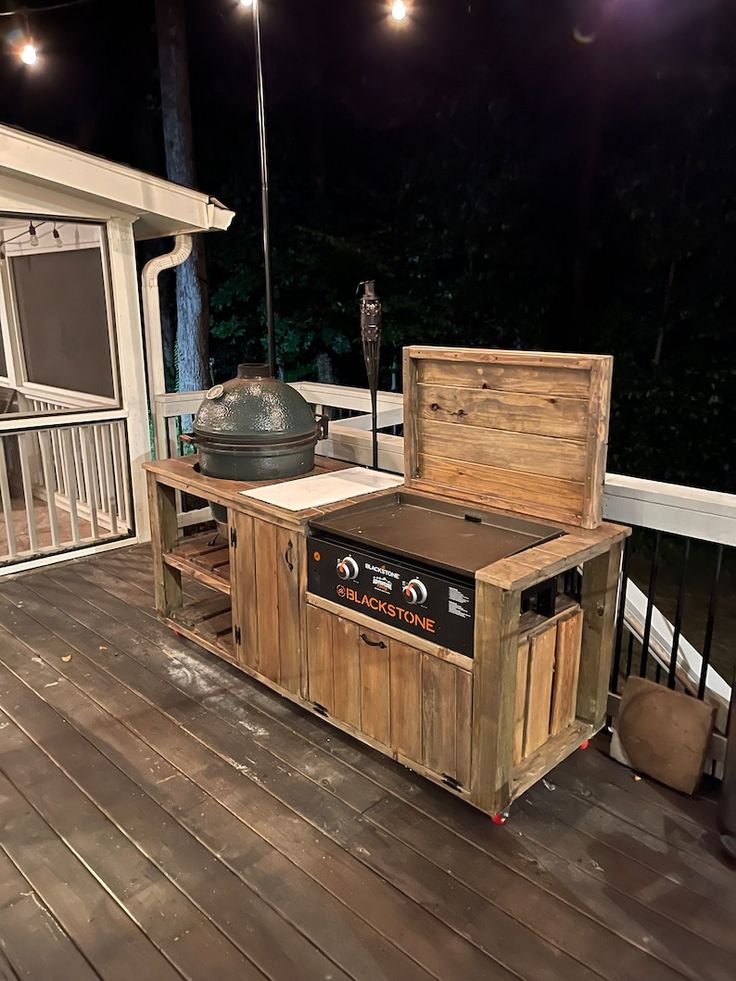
(64,484)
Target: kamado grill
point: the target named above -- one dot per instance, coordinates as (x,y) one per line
(409,560)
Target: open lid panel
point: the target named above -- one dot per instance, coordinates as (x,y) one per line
(522,431)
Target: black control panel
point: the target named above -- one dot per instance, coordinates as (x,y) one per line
(424,602)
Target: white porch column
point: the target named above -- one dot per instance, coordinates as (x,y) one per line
(131,359)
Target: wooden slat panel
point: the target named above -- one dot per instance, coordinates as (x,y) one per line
(508,489)
(567,666)
(243,587)
(464,723)
(519,452)
(539,700)
(374,685)
(406,700)
(522,677)
(542,415)
(267,607)
(320,658)
(164,536)
(289,548)
(571,382)
(439,726)
(346,654)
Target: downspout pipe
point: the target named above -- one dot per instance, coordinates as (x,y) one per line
(154,340)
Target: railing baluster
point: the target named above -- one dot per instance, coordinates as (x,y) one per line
(26,479)
(109,481)
(118,471)
(88,464)
(712,609)
(6,502)
(650,608)
(616,667)
(124,473)
(71,482)
(49,480)
(679,610)
(82,492)
(101,476)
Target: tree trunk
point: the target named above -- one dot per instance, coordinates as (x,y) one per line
(192,301)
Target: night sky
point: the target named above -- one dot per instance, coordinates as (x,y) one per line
(516,173)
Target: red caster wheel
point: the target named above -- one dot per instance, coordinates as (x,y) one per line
(500,818)
(585,744)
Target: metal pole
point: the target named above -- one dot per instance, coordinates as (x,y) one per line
(264,188)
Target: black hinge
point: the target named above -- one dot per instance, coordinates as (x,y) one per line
(238,635)
(319,708)
(451,782)
(233,537)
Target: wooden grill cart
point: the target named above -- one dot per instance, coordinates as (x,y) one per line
(507,437)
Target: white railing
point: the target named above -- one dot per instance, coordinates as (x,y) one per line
(64,484)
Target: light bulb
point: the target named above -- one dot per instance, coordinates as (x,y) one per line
(57,238)
(33,234)
(29,54)
(246,3)
(398,10)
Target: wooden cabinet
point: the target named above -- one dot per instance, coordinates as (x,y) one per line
(418,705)
(266,566)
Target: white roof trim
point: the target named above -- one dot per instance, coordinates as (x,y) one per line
(159,206)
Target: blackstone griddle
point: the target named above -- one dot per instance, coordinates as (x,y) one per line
(410,560)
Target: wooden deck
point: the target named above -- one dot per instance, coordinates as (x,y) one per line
(162,816)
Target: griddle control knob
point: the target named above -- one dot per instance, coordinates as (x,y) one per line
(415,592)
(347,568)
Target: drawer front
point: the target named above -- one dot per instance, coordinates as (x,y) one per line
(417,705)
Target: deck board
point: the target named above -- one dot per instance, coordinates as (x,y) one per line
(268,828)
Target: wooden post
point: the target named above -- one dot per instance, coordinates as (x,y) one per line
(598,601)
(164,536)
(496,651)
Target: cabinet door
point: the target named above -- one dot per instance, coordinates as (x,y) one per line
(243,594)
(266,564)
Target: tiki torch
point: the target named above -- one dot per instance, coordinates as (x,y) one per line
(370,332)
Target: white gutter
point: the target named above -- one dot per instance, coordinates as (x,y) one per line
(152,324)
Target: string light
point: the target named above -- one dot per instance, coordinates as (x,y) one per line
(57,237)
(246,3)
(28,53)
(33,234)
(399,10)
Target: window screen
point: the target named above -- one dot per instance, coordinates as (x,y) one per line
(63,320)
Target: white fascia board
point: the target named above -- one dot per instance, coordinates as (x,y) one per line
(113,187)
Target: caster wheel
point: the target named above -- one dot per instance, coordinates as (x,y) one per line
(585,744)
(500,818)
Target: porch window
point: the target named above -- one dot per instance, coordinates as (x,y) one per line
(63,320)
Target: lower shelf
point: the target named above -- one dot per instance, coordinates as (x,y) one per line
(205,558)
(208,622)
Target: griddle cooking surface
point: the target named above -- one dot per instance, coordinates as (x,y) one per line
(451,536)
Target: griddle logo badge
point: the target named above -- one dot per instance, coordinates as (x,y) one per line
(390,610)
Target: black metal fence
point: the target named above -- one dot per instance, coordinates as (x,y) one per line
(692,583)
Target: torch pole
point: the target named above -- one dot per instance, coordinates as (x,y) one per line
(370,332)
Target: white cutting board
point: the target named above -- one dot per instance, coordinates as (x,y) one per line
(325,488)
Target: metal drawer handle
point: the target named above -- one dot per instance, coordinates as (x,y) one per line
(287,556)
(371,643)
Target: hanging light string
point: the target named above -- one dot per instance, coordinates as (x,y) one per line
(25,11)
